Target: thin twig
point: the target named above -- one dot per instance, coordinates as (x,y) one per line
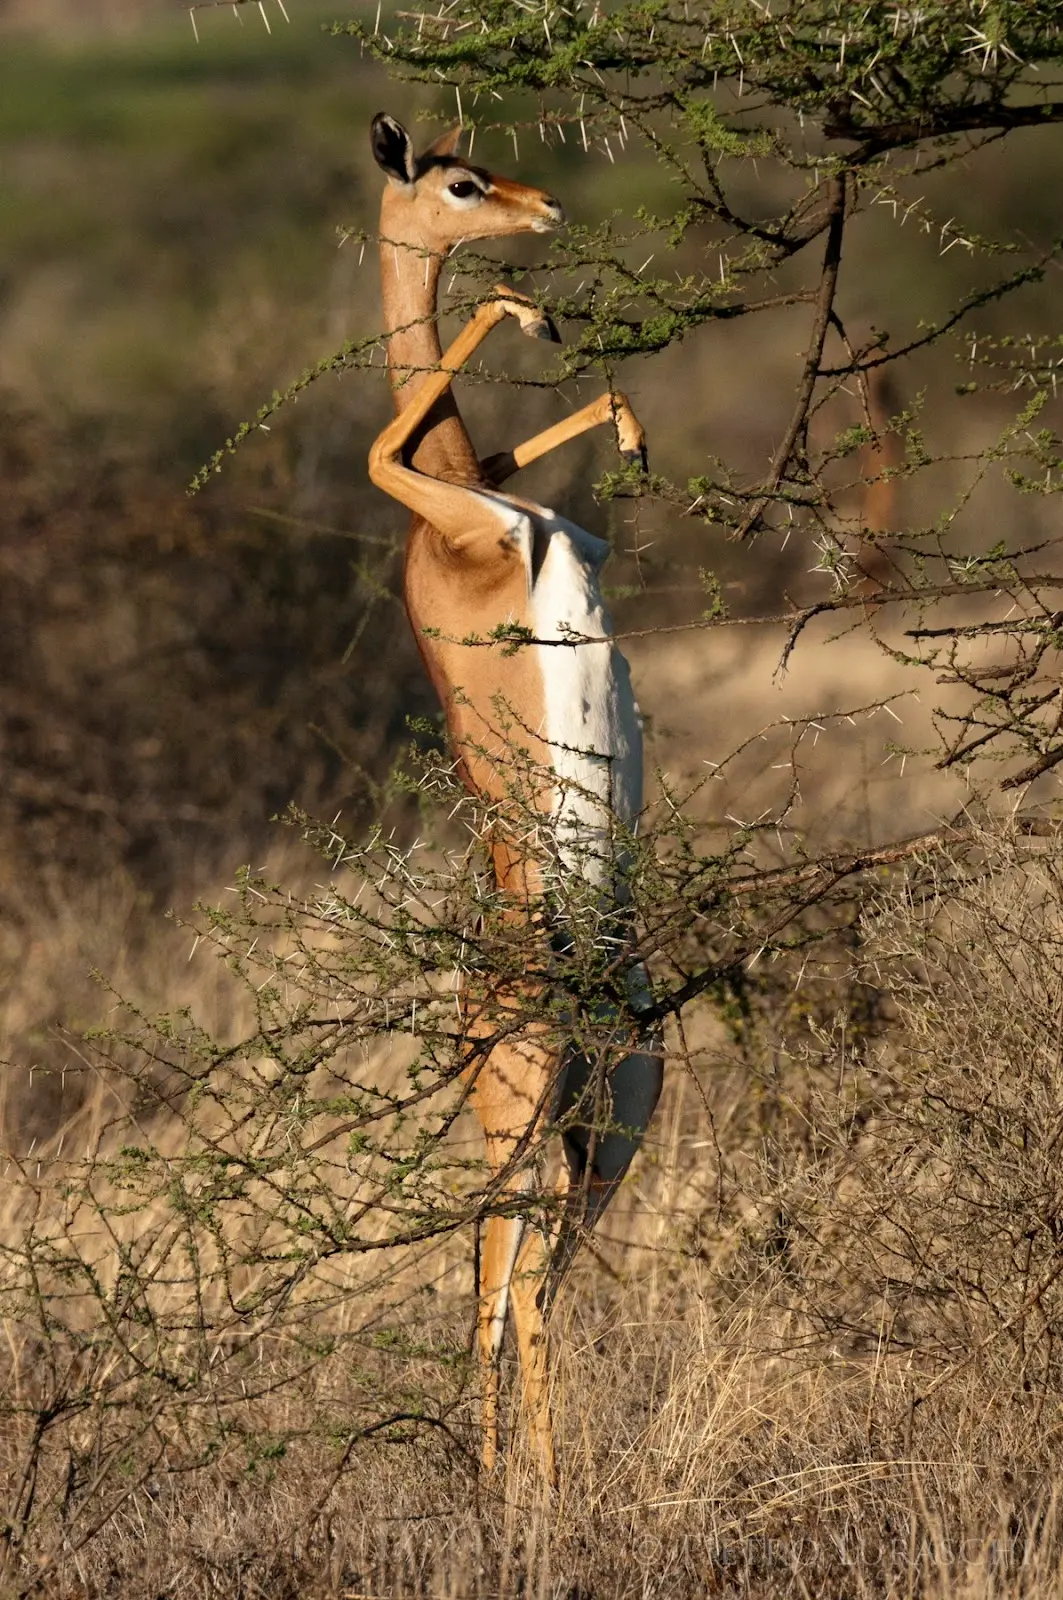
(828,284)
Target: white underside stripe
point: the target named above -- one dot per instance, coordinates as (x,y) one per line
(591,721)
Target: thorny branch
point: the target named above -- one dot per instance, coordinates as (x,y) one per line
(828,284)
(215,5)
(769,129)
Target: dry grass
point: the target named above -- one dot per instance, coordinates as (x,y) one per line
(815,1350)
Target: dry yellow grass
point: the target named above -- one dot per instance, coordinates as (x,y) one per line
(814,1350)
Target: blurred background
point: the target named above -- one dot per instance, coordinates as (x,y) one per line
(176,670)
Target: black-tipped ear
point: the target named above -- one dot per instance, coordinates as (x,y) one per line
(393,149)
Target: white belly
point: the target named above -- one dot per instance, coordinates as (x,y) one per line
(592,721)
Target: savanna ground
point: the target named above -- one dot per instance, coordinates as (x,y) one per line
(816,1348)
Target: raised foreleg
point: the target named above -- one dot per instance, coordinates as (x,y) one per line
(468,519)
(614,407)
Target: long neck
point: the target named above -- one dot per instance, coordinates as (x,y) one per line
(410,280)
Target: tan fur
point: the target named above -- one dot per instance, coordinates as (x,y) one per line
(464,576)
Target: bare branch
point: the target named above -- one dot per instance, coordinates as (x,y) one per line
(836,192)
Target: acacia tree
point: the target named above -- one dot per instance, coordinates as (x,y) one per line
(839,114)
(837,110)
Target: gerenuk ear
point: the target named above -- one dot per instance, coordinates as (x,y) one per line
(393,149)
(447,143)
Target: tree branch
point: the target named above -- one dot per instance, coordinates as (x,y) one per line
(942,122)
(832,256)
(821,876)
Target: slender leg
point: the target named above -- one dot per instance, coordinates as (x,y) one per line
(615,408)
(514,1263)
(499,1248)
(528,1293)
(513,1096)
(522,1266)
(514,1086)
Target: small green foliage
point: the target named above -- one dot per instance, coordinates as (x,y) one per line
(512,635)
(701,120)
(716,610)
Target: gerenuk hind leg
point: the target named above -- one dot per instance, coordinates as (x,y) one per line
(513,1095)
